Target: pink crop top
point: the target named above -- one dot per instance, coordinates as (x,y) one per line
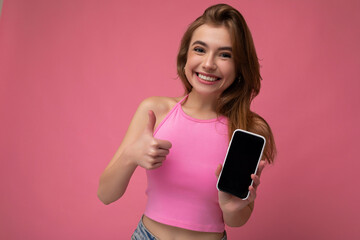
(182,192)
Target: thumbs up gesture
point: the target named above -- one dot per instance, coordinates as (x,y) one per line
(149,152)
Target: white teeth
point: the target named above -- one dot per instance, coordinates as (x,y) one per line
(207,78)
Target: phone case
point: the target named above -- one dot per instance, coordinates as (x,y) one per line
(226,157)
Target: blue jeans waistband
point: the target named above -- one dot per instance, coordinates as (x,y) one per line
(142,233)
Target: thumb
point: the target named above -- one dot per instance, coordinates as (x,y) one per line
(151,123)
(218,170)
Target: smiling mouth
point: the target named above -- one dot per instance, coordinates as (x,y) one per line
(207,78)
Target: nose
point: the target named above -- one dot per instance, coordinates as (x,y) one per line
(209,63)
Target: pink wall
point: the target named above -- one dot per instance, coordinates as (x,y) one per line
(72,73)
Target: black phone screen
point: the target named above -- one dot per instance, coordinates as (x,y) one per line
(242,158)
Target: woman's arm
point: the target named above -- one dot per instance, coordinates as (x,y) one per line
(236,217)
(236,212)
(138,148)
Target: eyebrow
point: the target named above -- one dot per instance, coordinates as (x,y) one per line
(205,45)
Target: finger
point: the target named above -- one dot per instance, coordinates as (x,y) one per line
(252,195)
(161,152)
(154,162)
(218,170)
(260,167)
(163,144)
(153,166)
(159,159)
(256,180)
(157,152)
(151,123)
(157,165)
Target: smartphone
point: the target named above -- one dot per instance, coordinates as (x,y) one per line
(242,159)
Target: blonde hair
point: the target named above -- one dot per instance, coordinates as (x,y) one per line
(235,101)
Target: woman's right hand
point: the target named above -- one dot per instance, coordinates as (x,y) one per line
(138,148)
(147,151)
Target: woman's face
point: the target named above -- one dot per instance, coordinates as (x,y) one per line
(210,67)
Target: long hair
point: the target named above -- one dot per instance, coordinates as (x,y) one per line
(235,101)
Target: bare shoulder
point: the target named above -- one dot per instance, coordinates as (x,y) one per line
(159,105)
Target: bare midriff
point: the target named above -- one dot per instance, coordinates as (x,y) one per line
(162,231)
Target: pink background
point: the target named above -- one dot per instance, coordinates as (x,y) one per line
(73,72)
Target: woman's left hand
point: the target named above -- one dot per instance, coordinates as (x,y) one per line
(232,203)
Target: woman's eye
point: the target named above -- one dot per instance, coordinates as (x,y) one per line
(199,50)
(225,55)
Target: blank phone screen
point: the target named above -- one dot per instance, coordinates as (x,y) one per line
(241,161)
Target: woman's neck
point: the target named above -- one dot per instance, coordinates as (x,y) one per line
(201,106)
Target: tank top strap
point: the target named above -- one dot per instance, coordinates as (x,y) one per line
(177,105)
(183,99)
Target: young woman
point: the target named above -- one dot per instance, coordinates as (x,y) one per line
(182,141)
